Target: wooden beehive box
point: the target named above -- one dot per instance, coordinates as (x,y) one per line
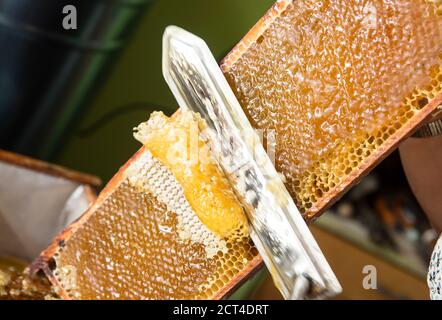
(38,200)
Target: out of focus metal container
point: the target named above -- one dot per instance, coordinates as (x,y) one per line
(47,72)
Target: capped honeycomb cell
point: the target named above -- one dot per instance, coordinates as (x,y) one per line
(339,83)
(169,227)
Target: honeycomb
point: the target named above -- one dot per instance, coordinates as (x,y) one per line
(175,142)
(334,80)
(7,270)
(17,284)
(164,232)
(11,263)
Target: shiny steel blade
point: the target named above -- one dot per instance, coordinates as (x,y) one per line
(290,252)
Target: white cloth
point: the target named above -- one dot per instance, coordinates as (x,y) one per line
(34,207)
(434,278)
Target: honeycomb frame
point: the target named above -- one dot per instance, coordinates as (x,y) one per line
(45,261)
(377,151)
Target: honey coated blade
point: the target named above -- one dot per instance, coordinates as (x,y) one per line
(279,232)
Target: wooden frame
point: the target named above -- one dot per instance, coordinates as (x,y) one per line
(48,168)
(43,262)
(430,112)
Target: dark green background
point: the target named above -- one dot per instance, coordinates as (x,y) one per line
(136,77)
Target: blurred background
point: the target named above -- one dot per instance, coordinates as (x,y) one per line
(72,97)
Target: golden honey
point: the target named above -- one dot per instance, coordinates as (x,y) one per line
(171,229)
(17,284)
(11,263)
(9,269)
(334,80)
(176,143)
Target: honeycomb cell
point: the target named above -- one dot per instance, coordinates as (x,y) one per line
(336,79)
(148,239)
